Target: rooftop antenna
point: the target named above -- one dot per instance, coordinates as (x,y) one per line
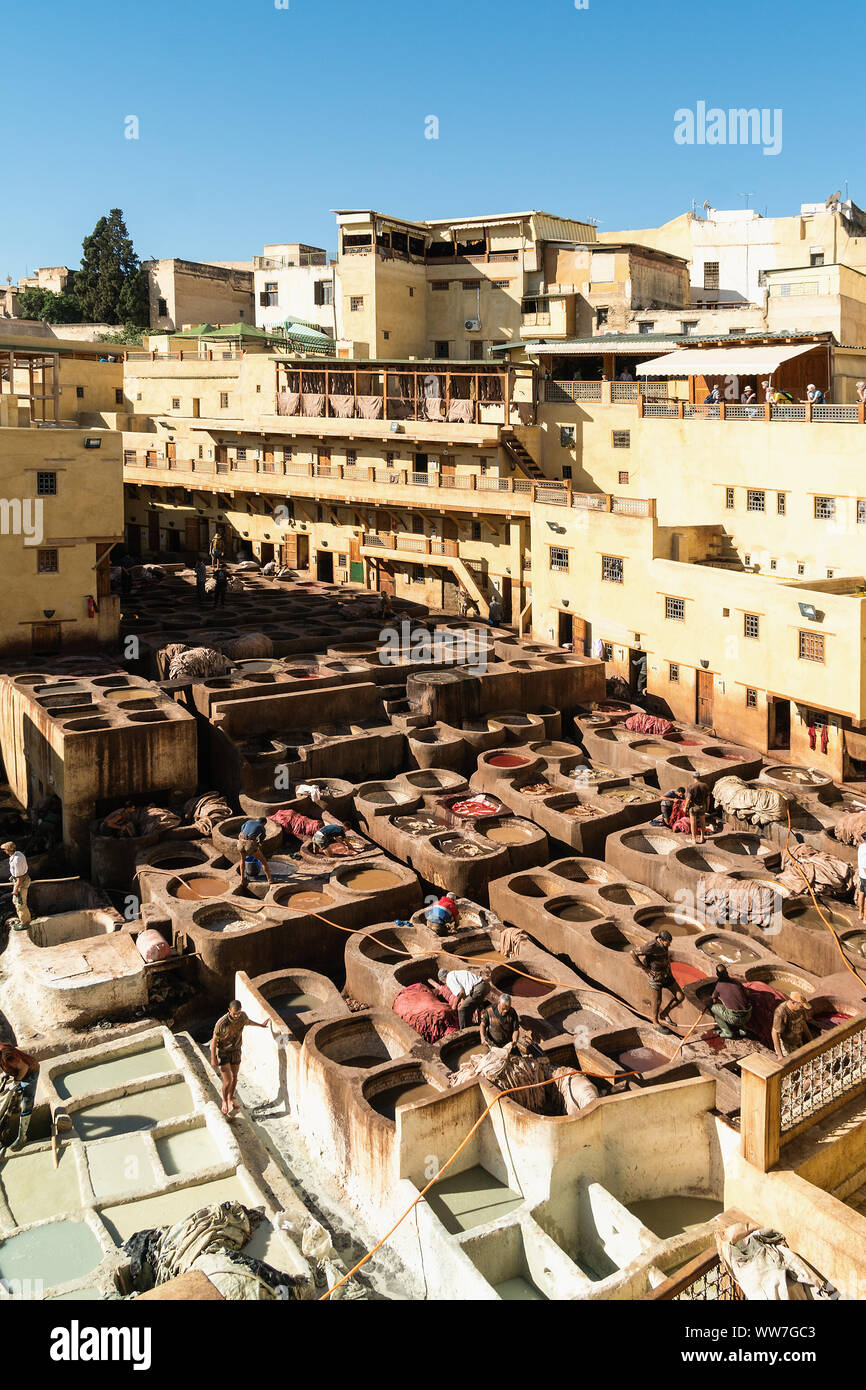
(747,196)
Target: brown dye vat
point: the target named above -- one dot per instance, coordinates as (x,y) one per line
(294,1004)
(654,750)
(508,834)
(458,1055)
(457,848)
(535,789)
(521,988)
(639,1059)
(197,888)
(416,825)
(387,1102)
(369,880)
(620,893)
(507,760)
(484,957)
(301,902)
(810,917)
(726,951)
(575,912)
(363,1060)
(663,922)
(629,796)
(579,812)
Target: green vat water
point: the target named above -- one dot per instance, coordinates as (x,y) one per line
(471,1198)
(81,1296)
(113,1072)
(120,1166)
(519,1290)
(671,1216)
(35,1189)
(108,1118)
(188,1151)
(54,1253)
(169,1207)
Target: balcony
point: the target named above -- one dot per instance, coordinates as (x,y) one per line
(431,394)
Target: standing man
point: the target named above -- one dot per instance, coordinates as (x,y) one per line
(861,878)
(499,1025)
(495,611)
(20,878)
(468,990)
(225,1050)
(655,960)
(25,1070)
(200,577)
(250,847)
(221,583)
(217,548)
(791,1025)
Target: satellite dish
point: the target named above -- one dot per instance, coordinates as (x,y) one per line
(707,205)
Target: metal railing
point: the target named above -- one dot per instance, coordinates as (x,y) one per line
(822,1079)
(705,1279)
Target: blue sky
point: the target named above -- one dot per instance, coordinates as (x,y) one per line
(256,121)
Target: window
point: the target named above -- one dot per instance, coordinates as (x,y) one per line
(729,498)
(825,508)
(79,391)
(711,275)
(476,530)
(476,351)
(751,698)
(356,303)
(830,574)
(566,436)
(201,451)
(623,477)
(472,285)
(861,511)
(175,402)
(440,349)
(269,298)
(747,560)
(46,484)
(756,500)
(688,326)
(566,472)
(816,258)
(621,439)
(500,284)
(781,503)
(675,609)
(751,625)
(118,395)
(773,564)
(801,568)
(411,292)
(440,285)
(612,569)
(162,308)
(46,562)
(341,561)
(811,646)
(558,558)
(607,651)
(646,327)
(386,334)
(351,458)
(601,317)
(673,674)
(224,400)
(242,455)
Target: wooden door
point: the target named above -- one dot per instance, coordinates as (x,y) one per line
(324,462)
(221,456)
(704,702)
(449,529)
(150,459)
(356,563)
(46,639)
(387,581)
(171,455)
(446,467)
(268,461)
(580,636)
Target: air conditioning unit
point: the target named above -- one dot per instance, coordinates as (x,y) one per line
(472,325)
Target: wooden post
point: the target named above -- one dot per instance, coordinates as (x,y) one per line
(760,1110)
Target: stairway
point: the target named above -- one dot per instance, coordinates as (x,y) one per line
(520,454)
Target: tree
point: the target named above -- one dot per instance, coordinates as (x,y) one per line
(111,285)
(42,304)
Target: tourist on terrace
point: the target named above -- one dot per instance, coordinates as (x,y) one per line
(791,1025)
(655,960)
(252,834)
(25,1070)
(19,875)
(730,1007)
(625,375)
(814,395)
(861,879)
(225,1050)
(861,392)
(748,397)
(468,990)
(499,1025)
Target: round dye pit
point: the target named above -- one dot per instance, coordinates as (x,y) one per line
(422,824)
(646,843)
(292,1004)
(368,880)
(510,832)
(528,886)
(799,776)
(744,844)
(302,900)
(726,951)
(573,910)
(627,796)
(196,889)
(520,987)
(178,859)
(458,847)
(535,789)
(506,760)
(617,938)
(225,919)
(855,942)
(638,1059)
(810,917)
(388,1101)
(782,980)
(656,921)
(623,895)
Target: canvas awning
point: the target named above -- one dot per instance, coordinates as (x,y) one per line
(732,361)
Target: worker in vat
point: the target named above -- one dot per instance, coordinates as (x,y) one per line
(327,837)
(19,876)
(225,1050)
(730,1006)
(468,989)
(655,960)
(499,1024)
(444,915)
(791,1025)
(250,841)
(24,1070)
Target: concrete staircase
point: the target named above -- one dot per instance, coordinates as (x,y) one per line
(517,450)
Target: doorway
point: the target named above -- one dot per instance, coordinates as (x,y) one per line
(153,532)
(324,566)
(387,581)
(46,639)
(704,699)
(779,723)
(563,628)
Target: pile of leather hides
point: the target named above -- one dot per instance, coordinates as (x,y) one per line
(758,805)
(293,823)
(507,1066)
(134,821)
(197,661)
(736,900)
(824,872)
(766,1270)
(252,644)
(577,1092)
(851,827)
(649,724)
(423,1011)
(206,812)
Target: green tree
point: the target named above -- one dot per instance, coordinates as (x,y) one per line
(111,285)
(48,306)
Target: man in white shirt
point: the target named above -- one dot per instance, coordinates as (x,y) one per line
(469,991)
(861,873)
(20,877)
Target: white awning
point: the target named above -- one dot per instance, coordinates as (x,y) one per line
(732,361)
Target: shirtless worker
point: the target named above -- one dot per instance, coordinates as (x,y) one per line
(655,960)
(225,1050)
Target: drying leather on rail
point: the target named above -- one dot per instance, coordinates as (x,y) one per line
(823,872)
(758,805)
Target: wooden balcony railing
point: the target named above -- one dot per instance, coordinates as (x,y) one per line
(703,1279)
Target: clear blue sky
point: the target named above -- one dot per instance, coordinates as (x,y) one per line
(256,121)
